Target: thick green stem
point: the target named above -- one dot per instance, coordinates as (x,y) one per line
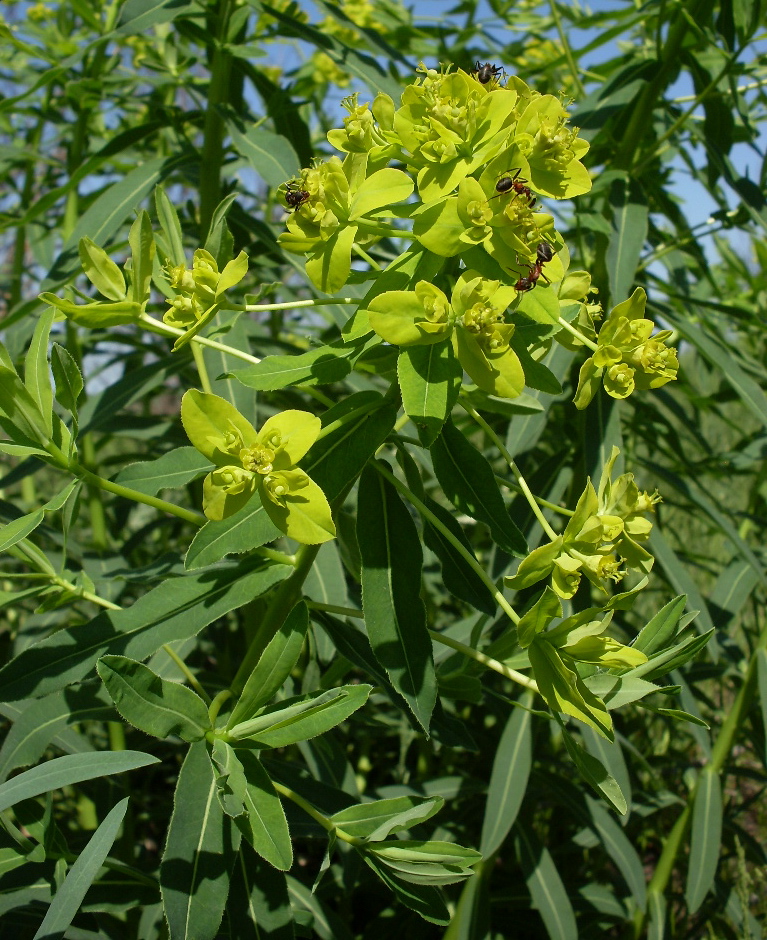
(723,745)
(641,115)
(316,815)
(282,603)
(213,134)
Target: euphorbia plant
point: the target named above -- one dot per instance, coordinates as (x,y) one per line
(468,291)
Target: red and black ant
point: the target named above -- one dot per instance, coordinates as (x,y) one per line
(487,72)
(515,184)
(295,196)
(543,254)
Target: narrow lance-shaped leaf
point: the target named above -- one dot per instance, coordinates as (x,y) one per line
(706,839)
(68,770)
(67,900)
(274,666)
(391,585)
(199,853)
(468,482)
(508,779)
(545,884)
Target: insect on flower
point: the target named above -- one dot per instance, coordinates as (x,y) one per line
(295,196)
(543,253)
(514,184)
(487,72)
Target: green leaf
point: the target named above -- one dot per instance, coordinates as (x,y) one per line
(457,575)
(361,423)
(18,529)
(142,252)
(377,819)
(176,468)
(138,16)
(263,824)
(41,722)
(326,924)
(429,863)
(430,378)
(508,779)
(258,907)
(667,660)
(617,691)
(659,631)
(425,900)
(627,237)
(248,528)
(320,366)
(564,690)
(178,608)
(382,188)
(656,905)
(595,774)
(36,374)
(20,408)
(101,271)
(65,771)
(706,838)
(548,893)
(68,898)
(295,720)
(166,211)
(151,704)
(274,666)
(391,584)
(761,671)
(610,755)
(98,314)
(199,853)
(468,482)
(271,155)
(68,379)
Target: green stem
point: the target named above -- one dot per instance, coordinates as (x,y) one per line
(522,483)
(468,651)
(346,419)
(681,121)
(547,504)
(294,304)
(735,717)
(215,705)
(316,815)
(186,671)
(282,603)
(186,514)
(202,370)
(641,114)
(212,157)
(95,502)
(455,542)
(578,335)
(366,257)
(566,46)
(487,661)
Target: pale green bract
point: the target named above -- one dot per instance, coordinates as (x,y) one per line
(249,461)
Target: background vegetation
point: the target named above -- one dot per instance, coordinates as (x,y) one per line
(220,103)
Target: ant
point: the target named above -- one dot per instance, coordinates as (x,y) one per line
(487,72)
(543,254)
(295,197)
(515,184)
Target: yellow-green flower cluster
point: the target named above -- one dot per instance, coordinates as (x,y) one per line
(628,356)
(264,462)
(457,137)
(200,289)
(473,318)
(600,541)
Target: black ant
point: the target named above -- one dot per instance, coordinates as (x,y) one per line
(515,184)
(295,196)
(543,254)
(487,72)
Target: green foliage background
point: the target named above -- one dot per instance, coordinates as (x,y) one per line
(104,102)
